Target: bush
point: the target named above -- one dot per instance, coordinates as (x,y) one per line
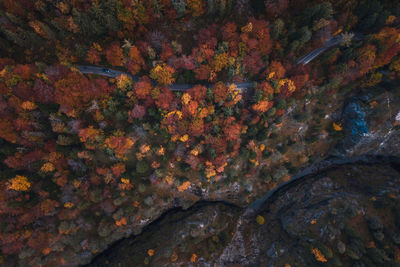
(142,167)
(302,117)
(252,131)
(262,135)
(244,153)
(281,104)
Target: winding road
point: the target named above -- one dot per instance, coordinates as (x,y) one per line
(86,69)
(174,87)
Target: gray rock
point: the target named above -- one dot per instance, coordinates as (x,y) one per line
(149,201)
(378,236)
(341,247)
(374,223)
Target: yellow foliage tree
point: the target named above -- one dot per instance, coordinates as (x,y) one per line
(163,74)
(19,183)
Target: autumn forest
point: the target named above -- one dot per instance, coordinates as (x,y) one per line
(87,159)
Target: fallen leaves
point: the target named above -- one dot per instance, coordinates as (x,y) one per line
(150,252)
(318,255)
(68,205)
(337,127)
(121,222)
(174,257)
(184,186)
(260,220)
(193,258)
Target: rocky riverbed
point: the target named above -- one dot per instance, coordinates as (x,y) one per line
(345,215)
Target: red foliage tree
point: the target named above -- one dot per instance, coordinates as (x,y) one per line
(72,90)
(276,70)
(198,93)
(75,90)
(196,127)
(143,88)
(137,112)
(220,92)
(261,33)
(166,52)
(275,7)
(114,55)
(206,34)
(17,7)
(193,161)
(203,72)
(43,92)
(165,98)
(229,31)
(253,62)
(366,58)
(388,38)
(23,90)
(94,56)
(300,80)
(136,61)
(7,130)
(5,61)
(26,72)
(232,129)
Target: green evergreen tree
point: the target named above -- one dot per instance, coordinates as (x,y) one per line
(277,29)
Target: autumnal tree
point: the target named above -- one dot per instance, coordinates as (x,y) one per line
(88,136)
(198,92)
(75,91)
(366,58)
(275,7)
(27,71)
(124,82)
(203,72)
(220,92)
(275,70)
(229,31)
(163,74)
(137,112)
(232,129)
(19,183)
(120,145)
(220,61)
(389,38)
(253,63)
(166,51)
(114,55)
(136,61)
(195,7)
(43,92)
(263,106)
(94,56)
(142,88)
(7,130)
(261,33)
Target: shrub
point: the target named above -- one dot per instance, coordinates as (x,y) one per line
(142,167)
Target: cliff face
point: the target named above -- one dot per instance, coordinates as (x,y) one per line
(347,214)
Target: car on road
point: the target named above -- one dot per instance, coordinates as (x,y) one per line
(106,70)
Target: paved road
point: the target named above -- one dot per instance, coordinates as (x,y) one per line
(183,87)
(174,87)
(334,41)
